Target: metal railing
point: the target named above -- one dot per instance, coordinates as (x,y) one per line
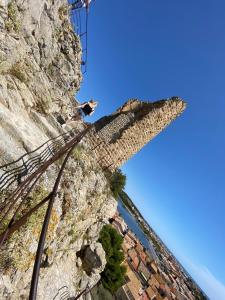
(62,294)
(12,207)
(27,163)
(26,187)
(79,20)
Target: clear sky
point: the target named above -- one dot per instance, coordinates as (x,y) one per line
(153,50)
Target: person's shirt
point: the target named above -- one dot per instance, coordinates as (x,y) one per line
(87,109)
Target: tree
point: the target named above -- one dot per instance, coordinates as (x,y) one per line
(117,182)
(113,275)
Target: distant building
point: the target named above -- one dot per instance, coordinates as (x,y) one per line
(119,225)
(128,243)
(129,240)
(155,281)
(143,271)
(132,236)
(158,297)
(140,251)
(151,293)
(132,290)
(149,255)
(144,296)
(139,247)
(152,267)
(181,296)
(133,258)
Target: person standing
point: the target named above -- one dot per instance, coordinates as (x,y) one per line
(83,110)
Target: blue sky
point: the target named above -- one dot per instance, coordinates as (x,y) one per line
(153,51)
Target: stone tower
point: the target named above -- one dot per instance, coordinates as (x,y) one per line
(115,138)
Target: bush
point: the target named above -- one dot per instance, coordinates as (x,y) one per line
(117,182)
(113,275)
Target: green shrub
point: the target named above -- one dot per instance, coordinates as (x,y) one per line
(117,182)
(113,275)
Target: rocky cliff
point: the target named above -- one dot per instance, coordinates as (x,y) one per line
(39,72)
(73,257)
(40,60)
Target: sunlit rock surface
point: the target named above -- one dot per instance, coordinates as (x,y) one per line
(40,60)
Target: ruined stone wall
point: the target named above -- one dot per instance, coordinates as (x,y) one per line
(111,131)
(133,125)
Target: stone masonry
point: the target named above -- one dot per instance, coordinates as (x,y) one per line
(115,138)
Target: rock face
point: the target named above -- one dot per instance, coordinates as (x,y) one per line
(93,258)
(84,204)
(40,60)
(117,137)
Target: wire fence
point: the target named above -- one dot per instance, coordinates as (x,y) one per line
(79,20)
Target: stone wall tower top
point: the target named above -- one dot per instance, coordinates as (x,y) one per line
(117,137)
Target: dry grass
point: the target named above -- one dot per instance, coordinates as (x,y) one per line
(13,22)
(17,71)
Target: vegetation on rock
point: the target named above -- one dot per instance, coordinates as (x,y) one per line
(13,22)
(63,11)
(17,71)
(117,182)
(113,275)
(24,257)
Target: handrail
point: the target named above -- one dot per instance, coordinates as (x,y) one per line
(86,48)
(65,133)
(40,250)
(77,22)
(16,224)
(19,191)
(28,164)
(85,291)
(63,293)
